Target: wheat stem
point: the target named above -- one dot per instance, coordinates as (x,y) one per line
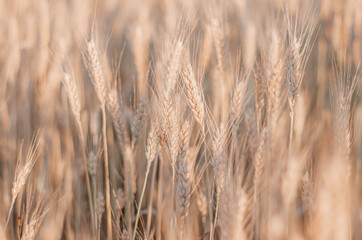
(140,201)
(106,171)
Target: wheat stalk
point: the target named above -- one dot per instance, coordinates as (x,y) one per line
(152,144)
(93,63)
(74,100)
(21,174)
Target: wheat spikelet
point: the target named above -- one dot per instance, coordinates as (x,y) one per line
(291,181)
(233,205)
(21,175)
(219,84)
(118,119)
(218,37)
(343,130)
(250,45)
(121,199)
(125,235)
(259,162)
(184,171)
(140,38)
(259,85)
(184,139)
(275,77)
(238,103)
(307,195)
(92,61)
(139,121)
(99,209)
(294,71)
(206,48)
(201,202)
(152,143)
(344,86)
(73,95)
(151,151)
(29,231)
(100,206)
(193,94)
(92,164)
(42,207)
(172,125)
(218,160)
(173,66)
(183,187)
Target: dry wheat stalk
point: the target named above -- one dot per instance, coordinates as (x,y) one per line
(151,151)
(93,63)
(73,95)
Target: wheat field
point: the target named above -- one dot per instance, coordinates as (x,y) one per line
(171,119)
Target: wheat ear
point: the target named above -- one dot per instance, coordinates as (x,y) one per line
(118,119)
(184,175)
(193,94)
(74,100)
(152,144)
(21,175)
(93,63)
(259,85)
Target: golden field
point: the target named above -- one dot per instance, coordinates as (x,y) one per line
(170,119)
